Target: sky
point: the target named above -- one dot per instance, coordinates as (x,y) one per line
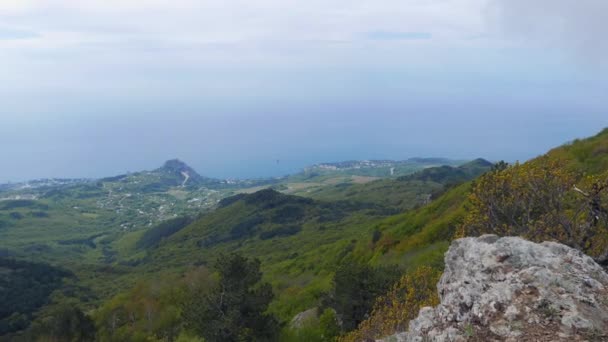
(258,88)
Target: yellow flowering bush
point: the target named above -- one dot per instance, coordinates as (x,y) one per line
(541,200)
(393,311)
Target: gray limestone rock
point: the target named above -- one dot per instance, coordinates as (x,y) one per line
(511,289)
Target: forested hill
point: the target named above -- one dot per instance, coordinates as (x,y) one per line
(24,288)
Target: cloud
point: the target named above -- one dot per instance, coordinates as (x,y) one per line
(238,20)
(579,27)
(79,38)
(115,46)
(16,34)
(388,35)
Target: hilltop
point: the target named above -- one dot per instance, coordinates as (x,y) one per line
(380,168)
(176,173)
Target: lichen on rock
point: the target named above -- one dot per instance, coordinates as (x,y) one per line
(511,289)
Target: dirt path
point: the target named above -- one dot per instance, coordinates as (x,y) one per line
(186,177)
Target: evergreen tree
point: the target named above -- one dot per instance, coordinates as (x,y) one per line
(234,310)
(355,289)
(65,323)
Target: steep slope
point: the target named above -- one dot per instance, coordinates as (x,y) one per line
(414,232)
(422,236)
(588,155)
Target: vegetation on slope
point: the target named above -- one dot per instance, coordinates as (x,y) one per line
(154,235)
(562,196)
(393,310)
(234,309)
(405,192)
(24,288)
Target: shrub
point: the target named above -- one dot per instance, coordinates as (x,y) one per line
(280,232)
(355,287)
(393,311)
(288,213)
(64,323)
(329,325)
(246,227)
(14,204)
(541,200)
(15,215)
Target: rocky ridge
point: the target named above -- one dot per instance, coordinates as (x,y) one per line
(510,289)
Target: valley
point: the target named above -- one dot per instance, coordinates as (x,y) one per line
(97,228)
(83,210)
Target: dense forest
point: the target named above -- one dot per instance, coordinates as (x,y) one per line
(24,288)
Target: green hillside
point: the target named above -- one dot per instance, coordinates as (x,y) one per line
(301,241)
(298,240)
(412,232)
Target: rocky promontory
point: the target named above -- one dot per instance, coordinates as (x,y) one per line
(511,289)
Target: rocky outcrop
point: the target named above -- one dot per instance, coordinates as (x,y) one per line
(304,317)
(510,289)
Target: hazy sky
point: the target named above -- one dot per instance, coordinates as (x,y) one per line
(93,88)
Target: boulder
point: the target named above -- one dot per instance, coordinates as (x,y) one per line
(510,289)
(304,317)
